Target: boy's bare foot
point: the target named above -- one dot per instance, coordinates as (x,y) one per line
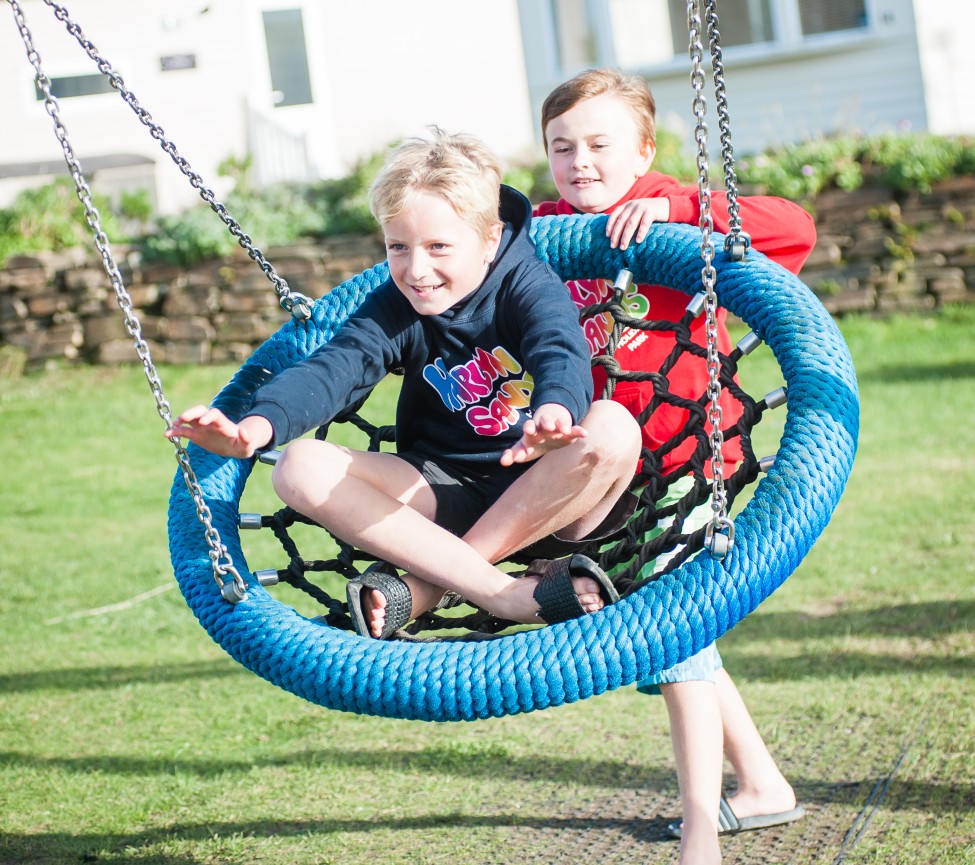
(374,608)
(767,801)
(700,849)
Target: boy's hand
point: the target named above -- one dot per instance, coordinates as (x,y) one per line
(212,430)
(549,428)
(632,220)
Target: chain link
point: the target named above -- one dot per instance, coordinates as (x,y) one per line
(737,243)
(720,530)
(223,565)
(298,305)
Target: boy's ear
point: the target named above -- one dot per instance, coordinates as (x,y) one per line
(647,153)
(493,241)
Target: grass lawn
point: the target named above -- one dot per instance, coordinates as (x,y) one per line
(127,736)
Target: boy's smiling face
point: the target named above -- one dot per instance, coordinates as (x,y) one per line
(595,153)
(435,257)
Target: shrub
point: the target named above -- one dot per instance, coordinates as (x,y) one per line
(274,216)
(799,172)
(50,218)
(906,162)
(343,203)
(900,161)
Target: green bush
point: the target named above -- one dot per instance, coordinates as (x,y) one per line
(899,161)
(274,216)
(800,172)
(50,218)
(343,203)
(906,162)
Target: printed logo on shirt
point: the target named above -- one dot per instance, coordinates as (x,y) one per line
(598,328)
(469,383)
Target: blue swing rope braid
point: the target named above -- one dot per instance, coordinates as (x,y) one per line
(652,629)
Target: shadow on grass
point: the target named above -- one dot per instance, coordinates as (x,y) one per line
(927,619)
(844,665)
(644,828)
(932,621)
(434,760)
(918,373)
(125,847)
(437,761)
(95,678)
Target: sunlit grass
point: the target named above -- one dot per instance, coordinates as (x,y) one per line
(128,736)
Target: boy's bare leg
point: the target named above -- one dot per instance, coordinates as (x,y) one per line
(570,490)
(702,717)
(696,734)
(762,788)
(382,505)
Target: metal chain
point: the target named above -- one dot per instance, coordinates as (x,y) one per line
(720,531)
(234,589)
(293,302)
(736,243)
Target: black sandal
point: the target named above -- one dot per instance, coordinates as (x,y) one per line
(557,599)
(380,577)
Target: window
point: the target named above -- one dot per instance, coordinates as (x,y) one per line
(284,32)
(740,22)
(654,32)
(70,86)
(574,34)
(831,16)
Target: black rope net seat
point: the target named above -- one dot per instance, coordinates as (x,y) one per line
(659,622)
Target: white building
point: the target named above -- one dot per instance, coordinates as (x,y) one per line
(309,87)
(795,69)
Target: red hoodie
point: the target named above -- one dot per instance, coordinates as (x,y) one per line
(778,228)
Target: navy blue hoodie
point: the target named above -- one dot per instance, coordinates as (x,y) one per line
(472,374)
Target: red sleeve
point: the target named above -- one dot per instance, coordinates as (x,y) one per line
(778,228)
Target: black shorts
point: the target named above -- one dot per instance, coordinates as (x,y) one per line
(554,547)
(464,494)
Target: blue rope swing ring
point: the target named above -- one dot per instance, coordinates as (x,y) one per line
(652,629)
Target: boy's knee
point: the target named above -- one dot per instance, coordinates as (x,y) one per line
(615,429)
(614,436)
(299,462)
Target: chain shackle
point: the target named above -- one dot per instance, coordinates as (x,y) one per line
(737,242)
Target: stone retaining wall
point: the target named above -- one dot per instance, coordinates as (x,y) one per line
(62,306)
(880,253)
(877,253)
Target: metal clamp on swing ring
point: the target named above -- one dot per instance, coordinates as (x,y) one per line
(737,245)
(233,590)
(298,305)
(719,541)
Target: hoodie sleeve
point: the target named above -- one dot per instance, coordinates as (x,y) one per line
(552,341)
(335,376)
(778,228)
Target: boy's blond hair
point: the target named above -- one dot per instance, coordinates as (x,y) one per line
(631,89)
(459,167)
